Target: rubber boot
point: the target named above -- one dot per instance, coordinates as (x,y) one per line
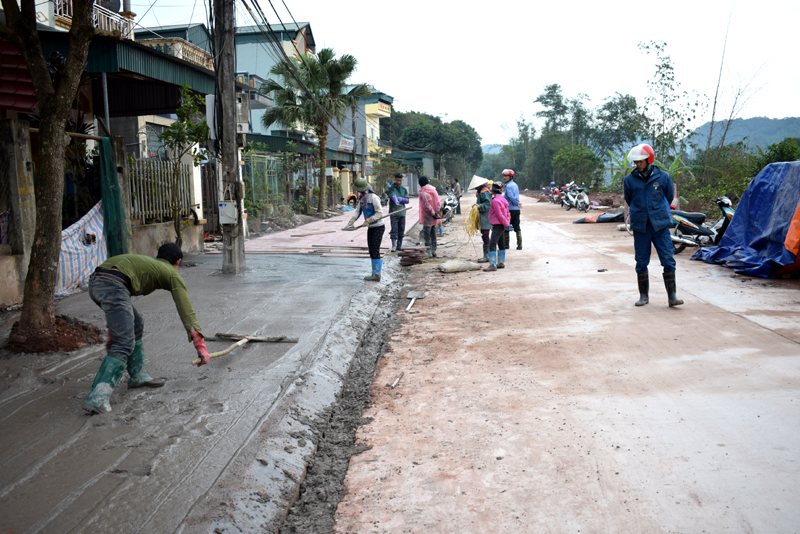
(105,381)
(400,243)
(519,239)
(376,271)
(501,259)
(485,258)
(492,262)
(644,288)
(506,240)
(441,230)
(138,376)
(669,283)
(394,245)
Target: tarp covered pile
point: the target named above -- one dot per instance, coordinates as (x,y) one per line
(763,238)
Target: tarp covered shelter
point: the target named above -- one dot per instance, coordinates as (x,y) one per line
(763,238)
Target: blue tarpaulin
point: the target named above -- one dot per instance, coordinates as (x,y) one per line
(764,235)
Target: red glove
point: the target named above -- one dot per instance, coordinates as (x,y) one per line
(200,345)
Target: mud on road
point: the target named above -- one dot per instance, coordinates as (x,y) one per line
(323,487)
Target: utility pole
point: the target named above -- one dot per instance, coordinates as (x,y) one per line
(233,260)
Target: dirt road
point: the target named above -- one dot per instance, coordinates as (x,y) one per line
(539,399)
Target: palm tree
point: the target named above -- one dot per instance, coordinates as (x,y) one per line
(314,93)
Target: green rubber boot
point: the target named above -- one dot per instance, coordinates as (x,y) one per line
(485,258)
(105,381)
(138,376)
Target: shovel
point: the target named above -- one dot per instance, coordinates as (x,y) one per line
(351,228)
(414,295)
(241,341)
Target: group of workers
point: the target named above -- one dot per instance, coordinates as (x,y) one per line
(648,192)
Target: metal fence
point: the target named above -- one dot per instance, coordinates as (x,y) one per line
(260,175)
(151,190)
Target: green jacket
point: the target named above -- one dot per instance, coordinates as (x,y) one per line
(484,204)
(148,274)
(400,191)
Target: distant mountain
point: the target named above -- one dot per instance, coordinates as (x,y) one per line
(491,149)
(757,131)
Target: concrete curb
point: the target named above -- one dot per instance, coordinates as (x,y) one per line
(263,480)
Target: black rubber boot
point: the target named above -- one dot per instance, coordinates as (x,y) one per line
(669,283)
(519,239)
(644,288)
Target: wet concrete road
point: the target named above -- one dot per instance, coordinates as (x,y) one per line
(191,455)
(539,399)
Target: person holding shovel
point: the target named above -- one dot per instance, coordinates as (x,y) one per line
(111,287)
(369,205)
(484,203)
(398,197)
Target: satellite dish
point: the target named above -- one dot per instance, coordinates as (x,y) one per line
(111,5)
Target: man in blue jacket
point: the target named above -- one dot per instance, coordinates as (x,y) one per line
(648,193)
(398,198)
(512,196)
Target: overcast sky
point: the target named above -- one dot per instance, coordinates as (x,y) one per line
(486,62)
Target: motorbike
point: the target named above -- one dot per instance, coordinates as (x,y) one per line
(554,196)
(449,207)
(689,230)
(576,197)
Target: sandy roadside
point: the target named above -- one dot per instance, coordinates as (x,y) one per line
(539,399)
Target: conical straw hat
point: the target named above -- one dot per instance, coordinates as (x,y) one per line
(476,182)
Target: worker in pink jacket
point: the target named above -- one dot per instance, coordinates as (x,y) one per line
(499,218)
(429,214)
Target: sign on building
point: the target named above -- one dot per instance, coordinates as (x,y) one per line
(346,143)
(368,168)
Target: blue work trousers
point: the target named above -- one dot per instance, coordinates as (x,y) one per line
(663,243)
(124,322)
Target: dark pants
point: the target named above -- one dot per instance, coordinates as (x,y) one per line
(430,237)
(497,237)
(458,206)
(514,219)
(398,229)
(485,236)
(124,322)
(374,238)
(663,244)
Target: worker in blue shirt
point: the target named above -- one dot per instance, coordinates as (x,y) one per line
(512,197)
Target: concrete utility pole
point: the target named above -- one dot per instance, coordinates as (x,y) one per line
(233,260)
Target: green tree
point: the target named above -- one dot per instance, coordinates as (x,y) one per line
(579,164)
(313,93)
(786,150)
(620,123)
(55,96)
(556,110)
(182,137)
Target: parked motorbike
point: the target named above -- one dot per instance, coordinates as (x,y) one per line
(690,232)
(449,207)
(554,196)
(576,197)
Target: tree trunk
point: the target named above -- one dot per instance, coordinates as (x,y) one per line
(38,305)
(323,199)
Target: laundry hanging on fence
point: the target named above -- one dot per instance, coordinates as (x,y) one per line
(83,248)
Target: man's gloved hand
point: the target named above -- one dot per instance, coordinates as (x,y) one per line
(370,220)
(509,228)
(437,216)
(395,199)
(402,200)
(200,345)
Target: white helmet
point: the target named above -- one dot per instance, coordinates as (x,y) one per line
(640,152)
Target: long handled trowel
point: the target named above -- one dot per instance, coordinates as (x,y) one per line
(242,340)
(364,224)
